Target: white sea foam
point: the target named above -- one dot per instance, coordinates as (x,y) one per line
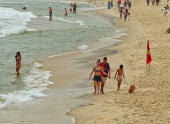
(35,83)
(69,21)
(82,47)
(79,22)
(13,21)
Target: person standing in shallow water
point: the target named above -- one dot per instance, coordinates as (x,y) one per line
(97,77)
(18,62)
(50,14)
(65,12)
(74,7)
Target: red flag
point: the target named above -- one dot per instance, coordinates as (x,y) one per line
(148,55)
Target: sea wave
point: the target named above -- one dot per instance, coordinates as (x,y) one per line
(13,21)
(35,83)
(79,22)
(82,47)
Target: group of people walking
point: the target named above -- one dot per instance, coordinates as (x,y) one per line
(123,10)
(153,2)
(101,72)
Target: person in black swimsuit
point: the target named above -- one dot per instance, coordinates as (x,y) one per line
(97,77)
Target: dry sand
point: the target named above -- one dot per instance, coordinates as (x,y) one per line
(144,106)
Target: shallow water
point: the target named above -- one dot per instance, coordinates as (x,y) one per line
(30,32)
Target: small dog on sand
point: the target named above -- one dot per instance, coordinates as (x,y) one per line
(132,88)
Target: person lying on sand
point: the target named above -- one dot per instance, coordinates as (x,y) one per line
(97,77)
(119,76)
(168,30)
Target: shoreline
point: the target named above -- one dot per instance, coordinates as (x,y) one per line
(81,114)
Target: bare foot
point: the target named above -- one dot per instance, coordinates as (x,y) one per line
(103,92)
(95,93)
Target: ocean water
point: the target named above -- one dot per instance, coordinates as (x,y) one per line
(30,32)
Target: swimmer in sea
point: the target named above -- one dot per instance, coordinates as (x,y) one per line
(65,12)
(18,62)
(50,13)
(97,77)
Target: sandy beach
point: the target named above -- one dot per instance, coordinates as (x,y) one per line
(144,105)
(148,104)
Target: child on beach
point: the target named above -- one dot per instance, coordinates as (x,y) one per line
(128,16)
(119,76)
(165,11)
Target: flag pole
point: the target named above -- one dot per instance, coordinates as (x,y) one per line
(150,76)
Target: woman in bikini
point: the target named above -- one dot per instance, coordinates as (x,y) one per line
(120,75)
(97,77)
(18,62)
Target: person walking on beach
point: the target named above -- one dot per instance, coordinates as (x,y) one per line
(18,62)
(129,4)
(126,14)
(121,12)
(119,76)
(109,5)
(165,11)
(50,14)
(106,69)
(157,2)
(119,3)
(125,3)
(148,1)
(65,12)
(153,2)
(97,77)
